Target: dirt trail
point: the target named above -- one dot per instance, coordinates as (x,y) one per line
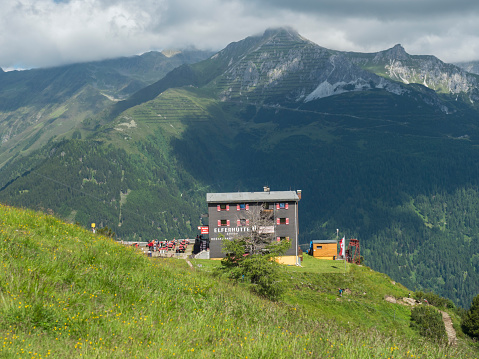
(451,333)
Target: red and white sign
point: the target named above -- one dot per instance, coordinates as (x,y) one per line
(204,229)
(342,243)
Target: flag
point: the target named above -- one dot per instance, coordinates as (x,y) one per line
(342,243)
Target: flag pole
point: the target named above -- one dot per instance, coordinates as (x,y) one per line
(337,242)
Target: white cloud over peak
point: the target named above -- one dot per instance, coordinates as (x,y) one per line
(39,33)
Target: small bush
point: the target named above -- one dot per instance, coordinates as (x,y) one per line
(260,269)
(428,321)
(265,275)
(434,299)
(105,231)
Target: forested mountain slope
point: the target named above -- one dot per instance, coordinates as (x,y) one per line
(39,104)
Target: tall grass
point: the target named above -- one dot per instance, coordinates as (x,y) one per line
(66,293)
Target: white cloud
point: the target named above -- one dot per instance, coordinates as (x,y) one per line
(37,33)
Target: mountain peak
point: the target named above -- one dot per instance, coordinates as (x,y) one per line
(285,30)
(284,33)
(237,51)
(171,52)
(398,47)
(397,52)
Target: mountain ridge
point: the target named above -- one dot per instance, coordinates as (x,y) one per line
(247,68)
(38,104)
(396,64)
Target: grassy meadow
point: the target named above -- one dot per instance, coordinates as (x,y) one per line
(67,293)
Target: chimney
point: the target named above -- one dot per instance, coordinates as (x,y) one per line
(266,189)
(299,193)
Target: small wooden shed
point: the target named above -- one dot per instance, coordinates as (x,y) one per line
(324,249)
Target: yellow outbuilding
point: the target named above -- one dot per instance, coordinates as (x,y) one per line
(323,249)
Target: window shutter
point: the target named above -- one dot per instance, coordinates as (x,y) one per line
(277,205)
(237,207)
(247,206)
(278,221)
(287,220)
(227,207)
(287,238)
(278,239)
(228,222)
(218,207)
(219,222)
(286,206)
(247,222)
(238,222)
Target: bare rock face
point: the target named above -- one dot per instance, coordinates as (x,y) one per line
(403,301)
(293,69)
(282,67)
(469,66)
(428,71)
(410,301)
(395,53)
(390,299)
(433,74)
(397,65)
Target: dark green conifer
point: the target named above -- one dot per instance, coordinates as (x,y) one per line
(470,322)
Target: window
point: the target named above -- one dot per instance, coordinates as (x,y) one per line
(223,207)
(319,247)
(282,220)
(267,211)
(242,222)
(242,206)
(223,222)
(279,239)
(282,205)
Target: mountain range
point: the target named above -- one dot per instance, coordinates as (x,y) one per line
(383,145)
(39,104)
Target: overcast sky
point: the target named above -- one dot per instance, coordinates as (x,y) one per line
(40,33)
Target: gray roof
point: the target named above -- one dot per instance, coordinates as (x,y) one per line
(319,241)
(235,197)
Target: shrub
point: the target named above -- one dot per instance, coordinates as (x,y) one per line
(265,275)
(434,299)
(105,231)
(260,268)
(428,321)
(470,321)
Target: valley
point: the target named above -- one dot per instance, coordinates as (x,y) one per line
(383,158)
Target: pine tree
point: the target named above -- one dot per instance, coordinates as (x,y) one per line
(470,322)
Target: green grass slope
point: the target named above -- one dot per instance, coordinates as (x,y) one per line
(68,293)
